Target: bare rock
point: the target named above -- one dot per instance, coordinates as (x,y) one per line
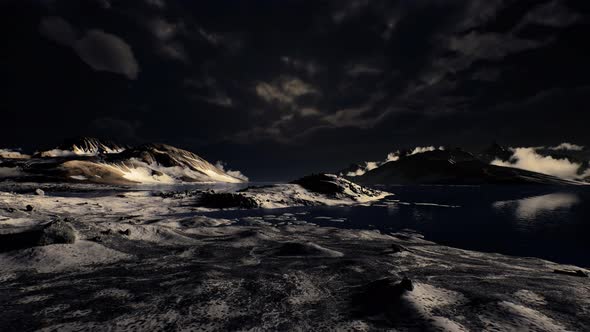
(53,233)
(578,273)
(57,232)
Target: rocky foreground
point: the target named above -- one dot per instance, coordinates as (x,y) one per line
(134,261)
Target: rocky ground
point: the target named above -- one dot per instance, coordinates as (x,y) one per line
(135,261)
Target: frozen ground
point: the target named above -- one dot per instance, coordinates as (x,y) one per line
(149,263)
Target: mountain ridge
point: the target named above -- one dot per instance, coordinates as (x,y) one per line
(454,166)
(88,159)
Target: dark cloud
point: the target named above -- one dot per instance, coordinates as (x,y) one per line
(115,127)
(244,81)
(58,30)
(106,52)
(101,51)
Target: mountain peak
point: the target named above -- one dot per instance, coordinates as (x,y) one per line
(83,146)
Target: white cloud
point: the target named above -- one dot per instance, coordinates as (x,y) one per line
(491,46)
(309,67)
(361,116)
(422,149)
(296,87)
(528,159)
(308,111)
(284,91)
(567,146)
(349,117)
(553,14)
(367,166)
(236,174)
(350,9)
(100,50)
(219,99)
(162,29)
(362,69)
(392,156)
(156,3)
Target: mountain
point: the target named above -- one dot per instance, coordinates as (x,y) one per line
(451,166)
(312,190)
(83,146)
(555,160)
(495,152)
(12,154)
(166,161)
(97,161)
(352,170)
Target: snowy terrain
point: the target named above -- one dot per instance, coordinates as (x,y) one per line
(83,146)
(12,154)
(155,262)
(340,192)
(90,160)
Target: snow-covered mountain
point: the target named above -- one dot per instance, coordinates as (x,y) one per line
(359,169)
(12,154)
(96,161)
(83,146)
(451,166)
(312,190)
(151,163)
(566,160)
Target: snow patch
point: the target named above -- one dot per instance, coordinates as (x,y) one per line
(515,317)
(236,174)
(567,146)
(58,257)
(290,195)
(425,299)
(12,154)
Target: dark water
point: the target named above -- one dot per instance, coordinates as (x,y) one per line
(547,222)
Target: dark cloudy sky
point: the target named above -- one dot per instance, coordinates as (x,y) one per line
(280,88)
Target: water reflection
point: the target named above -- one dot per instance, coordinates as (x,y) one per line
(531,207)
